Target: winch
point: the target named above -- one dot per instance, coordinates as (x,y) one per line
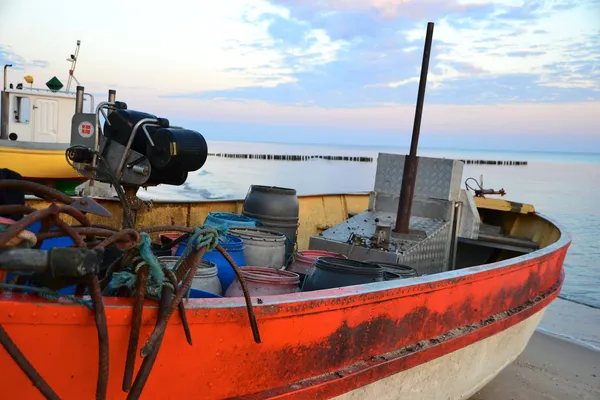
(133,148)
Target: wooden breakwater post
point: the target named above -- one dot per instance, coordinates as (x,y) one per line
(307,157)
(291,157)
(495,162)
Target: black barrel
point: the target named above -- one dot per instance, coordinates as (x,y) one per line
(277,208)
(404,271)
(390,276)
(331,272)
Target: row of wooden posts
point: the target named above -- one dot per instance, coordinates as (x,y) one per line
(306,157)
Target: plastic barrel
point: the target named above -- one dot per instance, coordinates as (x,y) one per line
(262,247)
(276,208)
(229,220)
(330,272)
(263,281)
(234,246)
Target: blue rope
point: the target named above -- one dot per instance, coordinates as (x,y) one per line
(48,294)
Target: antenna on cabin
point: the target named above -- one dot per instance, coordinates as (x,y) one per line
(73,59)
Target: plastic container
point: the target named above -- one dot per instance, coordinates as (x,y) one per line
(229,220)
(61,241)
(304,259)
(390,276)
(206,278)
(234,246)
(169,237)
(404,271)
(277,208)
(262,247)
(201,294)
(262,281)
(330,272)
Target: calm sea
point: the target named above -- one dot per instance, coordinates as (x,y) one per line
(563,186)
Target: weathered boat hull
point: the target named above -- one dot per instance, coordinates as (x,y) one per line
(314,344)
(353,340)
(456,375)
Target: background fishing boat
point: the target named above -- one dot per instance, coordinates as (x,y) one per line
(36,129)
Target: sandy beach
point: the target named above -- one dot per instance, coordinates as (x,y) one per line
(561,361)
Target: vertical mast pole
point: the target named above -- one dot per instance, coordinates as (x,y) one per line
(411,161)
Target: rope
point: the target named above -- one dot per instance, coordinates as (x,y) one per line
(207,236)
(48,294)
(128,277)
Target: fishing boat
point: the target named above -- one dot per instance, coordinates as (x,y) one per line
(36,129)
(485,269)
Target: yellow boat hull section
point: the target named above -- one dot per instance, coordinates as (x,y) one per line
(38,164)
(317,213)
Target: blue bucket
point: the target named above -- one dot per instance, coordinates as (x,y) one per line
(62,241)
(230,220)
(234,246)
(202,294)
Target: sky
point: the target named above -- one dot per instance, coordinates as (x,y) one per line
(504,74)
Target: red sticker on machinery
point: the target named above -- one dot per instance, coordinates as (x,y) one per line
(86,129)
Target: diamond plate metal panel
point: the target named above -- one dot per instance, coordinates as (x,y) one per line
(429,254)
(469,217)
(432,254)
(437,178)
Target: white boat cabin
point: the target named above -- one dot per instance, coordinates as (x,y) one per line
(38,115)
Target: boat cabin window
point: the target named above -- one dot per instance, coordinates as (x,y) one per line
(21,109)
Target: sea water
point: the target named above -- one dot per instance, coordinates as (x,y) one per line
(562,186)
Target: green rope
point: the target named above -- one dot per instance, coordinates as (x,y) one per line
(205,236)
(48,294)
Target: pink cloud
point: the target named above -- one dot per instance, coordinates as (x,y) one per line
(543,119)
(390,9)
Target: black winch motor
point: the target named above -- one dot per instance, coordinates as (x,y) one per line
(173,152)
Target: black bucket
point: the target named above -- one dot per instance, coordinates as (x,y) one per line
(404,271)
(331,272)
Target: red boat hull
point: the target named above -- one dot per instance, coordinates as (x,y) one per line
(314,344)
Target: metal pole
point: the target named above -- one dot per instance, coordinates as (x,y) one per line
(73,65)
(7,66)
(112,96)
(411,161)
(79,100)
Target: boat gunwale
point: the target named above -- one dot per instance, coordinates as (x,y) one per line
(301,303)
(203,201)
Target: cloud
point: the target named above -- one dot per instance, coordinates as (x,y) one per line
(518,49)
(199,45)
(524,53)
(385,9)
(318,60)
(473,61)
(8,56)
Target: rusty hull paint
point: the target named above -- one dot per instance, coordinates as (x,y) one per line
(382,366)
(304,335)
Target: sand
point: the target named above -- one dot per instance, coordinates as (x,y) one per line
(553,367)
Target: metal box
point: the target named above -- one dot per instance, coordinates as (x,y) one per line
(428,247)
